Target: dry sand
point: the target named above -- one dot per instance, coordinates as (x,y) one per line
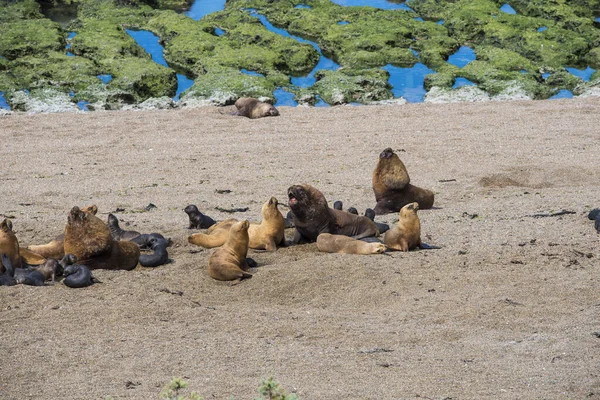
(506,309)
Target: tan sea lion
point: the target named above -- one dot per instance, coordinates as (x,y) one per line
(264,236)
(89,239)
(254,108)
(392,187)
(312,216)
(55,248)
(328,243)
(228,262)
(9,245)
(406,235)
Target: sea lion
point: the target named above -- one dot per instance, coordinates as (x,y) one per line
(145,240)
(197,219)
(254,108)
(116,232)
(264,236)
(50,269)
(78,276)
(160,255)
(89,239)
(55,248)
(7,277)
(313,216)
(392,187)
(328,243)
(338,205)
(9,245)
(406,235)
(29,277)
(228,262)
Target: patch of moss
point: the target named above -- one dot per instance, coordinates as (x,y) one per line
(10,11)
(340,87)
(29,37)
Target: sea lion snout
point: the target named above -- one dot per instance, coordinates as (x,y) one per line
(273,111)
(294,192)
(387,153)
(413,206)
(75,214)
(273,201)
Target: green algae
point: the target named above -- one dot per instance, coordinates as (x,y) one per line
(30,36)
(11,11)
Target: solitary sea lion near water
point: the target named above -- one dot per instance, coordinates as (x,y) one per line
(313,216)
(254,108)
(264,236)
(329,243)
(392,187)
(197,219)
(406,235)
(228,262)
(89,239)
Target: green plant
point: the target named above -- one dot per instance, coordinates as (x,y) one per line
(270,390)
(171,391)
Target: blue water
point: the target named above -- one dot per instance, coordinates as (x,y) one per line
(458,82)
(149,42)
(321,103)
(382,4)
(253,73)
(416,53)
(507,9)
(597,19)
(408,82)
(584,74)
(105,78)
(302,6)
(523,71)
(70,36)
(545,75)
(219,31)
(562,94)
(3,103)
(542,29)
(419,19)
(343,23)
(440,22)
(82,104)
(284,98)
(200,8)
(324,62)
(462,57)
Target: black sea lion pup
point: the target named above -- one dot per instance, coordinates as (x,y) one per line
(254,108)
(329,243)
(228,262)
(117,233)
(6,278)
(145,240)
(160,255)
(78,276)
(197,219)
(313,216)
(392,187)
(406,235)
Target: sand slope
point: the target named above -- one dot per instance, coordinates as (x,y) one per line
(506,309)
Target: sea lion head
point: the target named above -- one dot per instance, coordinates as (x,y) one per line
(191,209)
(51,268)
(409,210)
(6,225)
(240,226)
(92,209)
(271,111)
(76,216)
(306,201)
(387,153)
(379,248)
(112,220)
(67,260)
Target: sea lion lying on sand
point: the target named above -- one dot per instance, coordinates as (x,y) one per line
(328,243)
(313,216)
(228,262)
(392,187)
(264,236)
(254,108)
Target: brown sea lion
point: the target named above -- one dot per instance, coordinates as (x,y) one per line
(313,216)
(264,236)
(55,248)
(254,108)
(392,187)
(228,262)
(89,239)
(406,235)
(328,243)
(9,245)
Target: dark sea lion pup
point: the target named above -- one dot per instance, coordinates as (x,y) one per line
(392,187)
(6,278)
(254,108)
(9,245)
(197,219)
(313,216)
(160,255)
(229,262)
(78,276)
(116,232)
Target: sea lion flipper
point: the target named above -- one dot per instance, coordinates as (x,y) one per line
(270,245)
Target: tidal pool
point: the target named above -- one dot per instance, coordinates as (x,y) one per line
(562,94)
(506,8)
(200,8)
(382,4)
(462,56)
(408,82)
(3,104)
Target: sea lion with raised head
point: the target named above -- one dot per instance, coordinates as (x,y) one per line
(254,108)
(313,216)
(228,262)
(328,243)
(392,186)
(117,232)
(406,235)
(197,219)
(89,239)
(264,236)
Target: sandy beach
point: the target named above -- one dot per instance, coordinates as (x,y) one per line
(507,308)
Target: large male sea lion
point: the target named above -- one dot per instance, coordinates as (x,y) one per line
(89,239)
(254,108)
(228,262)
(392,187)
(328,243)
(313,216)
(406,235)
(264,236)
